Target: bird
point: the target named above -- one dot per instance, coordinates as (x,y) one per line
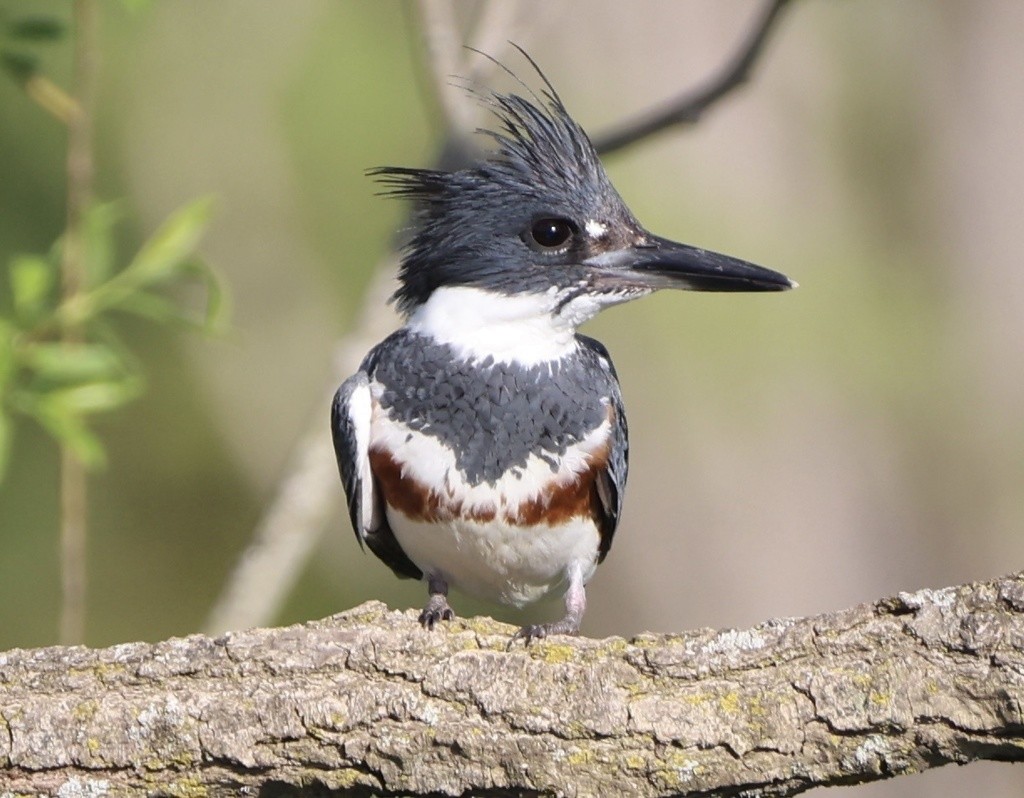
(483,446)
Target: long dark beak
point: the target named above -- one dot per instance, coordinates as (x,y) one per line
(659,263)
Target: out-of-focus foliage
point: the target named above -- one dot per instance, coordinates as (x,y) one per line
(23,40)
(278,120)
(61,359)
(19,34)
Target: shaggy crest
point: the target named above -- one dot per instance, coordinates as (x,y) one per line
(469,221)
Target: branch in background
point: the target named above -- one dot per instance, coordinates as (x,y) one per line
(308,496)
(367,699)
(440,58)
(499,24)
(688,108)
(73,496)
(448,58)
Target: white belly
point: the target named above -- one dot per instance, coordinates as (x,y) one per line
(479,551)
(497,561)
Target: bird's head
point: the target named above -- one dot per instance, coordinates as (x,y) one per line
(539,218)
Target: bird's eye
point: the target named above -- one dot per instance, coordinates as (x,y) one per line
(549,233)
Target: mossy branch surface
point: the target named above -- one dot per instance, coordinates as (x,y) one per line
(369,703)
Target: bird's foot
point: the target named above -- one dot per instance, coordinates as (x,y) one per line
(437,609)
(575,606)
(567,626)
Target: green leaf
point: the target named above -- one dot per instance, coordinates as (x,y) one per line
(218,304)
(153,307)
(98,223)
(103,332)
(91,397)
(72,362)
(32,280)
(161,258)
(36,29)
(18,64)
(69,429)
(173,243)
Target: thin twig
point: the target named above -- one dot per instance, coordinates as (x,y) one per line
(688,108)
(51,98)
(73,498)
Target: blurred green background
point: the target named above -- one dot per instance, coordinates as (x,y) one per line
(791,453)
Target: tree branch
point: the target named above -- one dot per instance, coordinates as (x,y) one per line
(368,701)
(688,108)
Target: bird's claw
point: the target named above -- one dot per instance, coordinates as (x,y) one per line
(538,631)
(437,610)
(528,634)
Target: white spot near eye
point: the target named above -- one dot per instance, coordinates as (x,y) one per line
(595,229)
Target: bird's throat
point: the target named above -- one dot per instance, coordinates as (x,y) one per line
(478,323)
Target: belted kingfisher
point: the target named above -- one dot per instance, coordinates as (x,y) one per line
(483,446)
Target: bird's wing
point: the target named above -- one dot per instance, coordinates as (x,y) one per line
(351,414)
(611,480)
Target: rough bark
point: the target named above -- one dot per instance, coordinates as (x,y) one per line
(367,701)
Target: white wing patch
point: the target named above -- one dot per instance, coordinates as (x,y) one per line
(360,414)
